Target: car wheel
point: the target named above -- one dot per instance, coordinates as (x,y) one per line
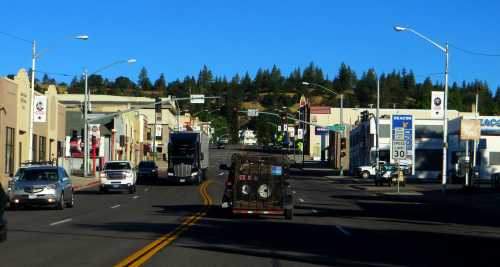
(131,189)
(288,214)
(365,175)
(3,233)
(71,203)
(60,204)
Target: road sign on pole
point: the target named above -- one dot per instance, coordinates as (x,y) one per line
(252,113)
(336,128)
(403,140)
(197,99)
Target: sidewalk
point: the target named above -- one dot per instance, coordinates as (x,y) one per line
(80,183)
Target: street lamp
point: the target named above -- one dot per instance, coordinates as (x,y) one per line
(34,57)
(445,115)
(341,115)
(86,107)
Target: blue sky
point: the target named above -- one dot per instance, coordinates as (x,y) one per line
(179,37)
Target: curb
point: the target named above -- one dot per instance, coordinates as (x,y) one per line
(89,185)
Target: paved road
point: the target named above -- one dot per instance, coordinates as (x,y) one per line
(336,224)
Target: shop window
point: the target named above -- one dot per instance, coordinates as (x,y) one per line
(9,150)
(42,156)
(494,158)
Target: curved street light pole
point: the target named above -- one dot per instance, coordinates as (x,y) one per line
(445,105)
(341,115)
(86,107)
(34,57)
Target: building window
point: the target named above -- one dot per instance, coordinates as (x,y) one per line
(385,130)
(59,149)
(42,149)
(34,145)
(9,150)
(494,158)
(428,160)
(148,134)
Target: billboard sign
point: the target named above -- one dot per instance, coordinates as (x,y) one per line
(437,104)
(402,139)
(40,109)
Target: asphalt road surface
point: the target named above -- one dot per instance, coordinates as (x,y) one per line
(335,224)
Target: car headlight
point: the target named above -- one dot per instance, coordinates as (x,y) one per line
(51,186)
(170,174)
(194,173)
(16,187)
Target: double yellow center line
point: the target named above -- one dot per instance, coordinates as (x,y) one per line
(144,254)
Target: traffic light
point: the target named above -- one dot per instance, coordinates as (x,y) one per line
(158,104)
(364,115)
(343,143)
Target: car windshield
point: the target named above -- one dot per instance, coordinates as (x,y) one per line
(182,151)
(19,172)
(146,164)
(39,175)
(117,166)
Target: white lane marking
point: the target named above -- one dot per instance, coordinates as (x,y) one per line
(314,211)
(146,189)
(115,206)
(344,231)
(62,221)
(222,173)
(135,197)
(301,200)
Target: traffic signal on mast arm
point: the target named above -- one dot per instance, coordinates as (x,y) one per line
(343,143)
(157,104)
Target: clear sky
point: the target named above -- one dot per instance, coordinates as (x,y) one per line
(179,37)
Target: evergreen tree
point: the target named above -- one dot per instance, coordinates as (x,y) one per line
(160,85)
(144,81)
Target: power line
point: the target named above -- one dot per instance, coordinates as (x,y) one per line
(474,52)
(15,37)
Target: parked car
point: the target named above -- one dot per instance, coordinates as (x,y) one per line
(3,221)
(42,185)
(147,171)
(389,174)
(368,171)
(118,175)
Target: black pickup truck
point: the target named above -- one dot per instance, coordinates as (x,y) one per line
(257,184)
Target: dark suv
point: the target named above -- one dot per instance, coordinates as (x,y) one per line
(147,171)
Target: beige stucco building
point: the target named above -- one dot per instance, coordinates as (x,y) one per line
(15,100)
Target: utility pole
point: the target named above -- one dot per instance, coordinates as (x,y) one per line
(33,71)
(476,114)
(342,133)
(85,127)
(445,121)
(377,122)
